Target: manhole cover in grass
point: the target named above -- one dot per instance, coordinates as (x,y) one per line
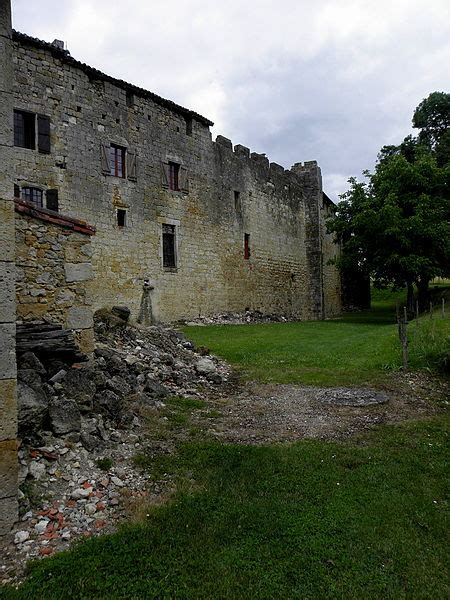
(352,397)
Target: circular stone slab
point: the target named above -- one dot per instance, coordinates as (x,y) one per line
(352,397)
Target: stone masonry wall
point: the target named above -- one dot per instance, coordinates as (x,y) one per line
(53,268)
(278,209)
(8,402)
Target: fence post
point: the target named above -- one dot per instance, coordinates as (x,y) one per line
(443,308)
(431,310)
(403,336)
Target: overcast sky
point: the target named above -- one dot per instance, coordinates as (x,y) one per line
(321,80)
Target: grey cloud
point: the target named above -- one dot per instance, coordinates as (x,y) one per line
(330,80)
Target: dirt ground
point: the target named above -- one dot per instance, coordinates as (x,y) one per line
(261,414)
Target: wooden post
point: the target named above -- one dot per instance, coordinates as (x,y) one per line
(403,336)
(417,313)
(443,308)
(431,310)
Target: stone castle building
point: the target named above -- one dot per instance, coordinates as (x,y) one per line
(106,187)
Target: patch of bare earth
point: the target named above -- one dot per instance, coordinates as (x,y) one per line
(263,414)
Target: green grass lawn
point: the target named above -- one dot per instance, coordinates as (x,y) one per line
(312,520)
(357,348)
(365,518)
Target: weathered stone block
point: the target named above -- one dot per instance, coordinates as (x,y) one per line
(8,468)
(79,317)
(7,232)
(7,350)
(85,340)
(7,292)
(78,271)
(8,409)
(9,508)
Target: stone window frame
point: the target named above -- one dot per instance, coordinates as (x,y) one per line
(129,161)
(36,131)
(49,196)
(176,224)
(182,180)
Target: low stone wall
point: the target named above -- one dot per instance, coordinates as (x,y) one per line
(53,266)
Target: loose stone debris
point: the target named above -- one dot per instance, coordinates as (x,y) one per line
(231,318)
(352,397)
(81,424)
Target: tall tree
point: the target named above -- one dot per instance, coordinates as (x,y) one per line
(432,118)
(396,226)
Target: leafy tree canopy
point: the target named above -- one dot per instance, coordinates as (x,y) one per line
(395,226)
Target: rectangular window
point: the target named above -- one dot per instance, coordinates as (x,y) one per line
(117,160)
(174,172)
(169,247)
(121,217)
(32,195)
(237,201)
(188,126)
(246,246)
(24,129)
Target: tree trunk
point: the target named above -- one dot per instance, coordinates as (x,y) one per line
(422,294)
(410,299)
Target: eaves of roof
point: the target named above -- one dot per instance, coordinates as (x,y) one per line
(93,73)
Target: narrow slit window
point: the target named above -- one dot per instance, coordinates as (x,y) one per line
(237,201)
(121,217)
(169,247)
(32,195)
(188,126)
(117,160)
(24,129)
(246,246)
(174,173)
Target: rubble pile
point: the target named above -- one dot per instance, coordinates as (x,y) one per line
(231,318)
(80,425)
(132,368)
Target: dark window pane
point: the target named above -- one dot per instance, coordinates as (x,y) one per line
(33,195)
(169,256)
(52,200)
(174,171)
(121,217)
(24,129)
(246,246)
(117,160)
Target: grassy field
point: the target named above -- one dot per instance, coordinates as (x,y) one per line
(355,349)
(313,520)
(364,518)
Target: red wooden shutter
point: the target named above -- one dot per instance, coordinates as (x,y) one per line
(43,134)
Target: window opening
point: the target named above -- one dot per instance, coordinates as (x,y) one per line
(33,195)
(246,246)
(24,129)
(121,217)
(174,172)
(168,240)
(117,160)
(237,200)
(188,126)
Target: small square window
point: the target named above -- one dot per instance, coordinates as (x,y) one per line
(174,172)
(117,160)
(121,217)
(169,247)
(24,129)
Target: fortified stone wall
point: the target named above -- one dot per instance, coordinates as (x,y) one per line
(225,195)
(53,267)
